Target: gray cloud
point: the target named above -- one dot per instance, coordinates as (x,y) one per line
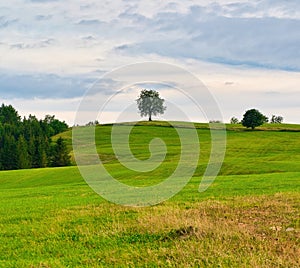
(42,86)
(256,8)
(90,22)
(87,6)
(123,47)
(54,86)
(133,17)
(5,22)
(278,99)
(89,34)
(256,42)
(239,33)
(43,17)
(41,44)
(89,38)
(228,83)
(43,1)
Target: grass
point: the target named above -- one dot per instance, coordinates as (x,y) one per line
(249,217)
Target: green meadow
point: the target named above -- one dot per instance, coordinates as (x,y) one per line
(248,217)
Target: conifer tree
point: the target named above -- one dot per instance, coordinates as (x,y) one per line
(60,154)
(22,153)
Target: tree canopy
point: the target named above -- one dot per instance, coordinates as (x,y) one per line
(253,118)
(276,119)
(26,143)
(234,120)
(149,103)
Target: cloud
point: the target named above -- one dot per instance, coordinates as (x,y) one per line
(87,6)
(5,22)
(133,17)
(90,22)
(42,1)
(41,44)
(42,86)
(66,42)
(88,38)
(255,9)
(228,83)
(43,17)
(257,34)
(54,86)
(122,47)
(270,43)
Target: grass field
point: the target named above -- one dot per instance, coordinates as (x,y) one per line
(249,217)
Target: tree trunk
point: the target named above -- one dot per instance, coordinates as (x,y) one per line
(150,114)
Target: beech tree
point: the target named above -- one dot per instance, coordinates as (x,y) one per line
(253,118)
(234,120)
(149,103)
(276,119)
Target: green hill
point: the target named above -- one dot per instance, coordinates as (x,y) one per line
(249,217)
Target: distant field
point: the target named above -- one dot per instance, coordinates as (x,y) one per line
(249,217)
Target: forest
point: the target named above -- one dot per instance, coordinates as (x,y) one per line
(26,142)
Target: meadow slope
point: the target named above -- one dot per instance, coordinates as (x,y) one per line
(249,217)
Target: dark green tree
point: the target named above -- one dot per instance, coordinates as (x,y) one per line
(9,115)
(54,125)
(276,119)
(26,143)
(234,120)
(60,154)
(31,150)
(9,152)
(40,155)
(149,103)
(22,154)
(253,118)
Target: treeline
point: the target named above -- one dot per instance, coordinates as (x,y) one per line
(26,143)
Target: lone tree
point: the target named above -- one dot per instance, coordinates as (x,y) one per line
(276,119)
(253,118)
(149,103)
(234,120)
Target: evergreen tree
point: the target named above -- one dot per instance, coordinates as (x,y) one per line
(54,126)
(9,153)
(31,150)
(9,115)
(26,143)
(22,153)
(60,154)
(40,156)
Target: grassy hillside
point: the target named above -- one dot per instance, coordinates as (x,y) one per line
(249,217)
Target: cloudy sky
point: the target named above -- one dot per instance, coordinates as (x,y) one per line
(245,52)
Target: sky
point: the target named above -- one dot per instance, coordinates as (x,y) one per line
(246,53)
